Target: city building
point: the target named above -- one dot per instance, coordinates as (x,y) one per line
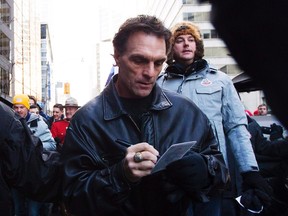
(48,87)
(174,11)
(20,61)
(171,12)
(110,19)
(26,57)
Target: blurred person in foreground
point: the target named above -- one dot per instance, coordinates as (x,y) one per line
(214,93)
(59,128)
(113,142)
(12,139)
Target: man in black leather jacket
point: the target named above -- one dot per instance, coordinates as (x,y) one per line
(114,141)
(11,141)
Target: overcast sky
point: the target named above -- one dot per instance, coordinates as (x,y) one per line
(74,33)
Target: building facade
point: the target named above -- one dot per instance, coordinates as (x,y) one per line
(48,87)
(20,61)
(174,11)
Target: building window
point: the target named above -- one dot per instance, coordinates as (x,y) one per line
(189,1)
(196,17)
(209,34)
(4,45)
(4,81)
(43,45)
(188,16)
(5,13)
(206,35)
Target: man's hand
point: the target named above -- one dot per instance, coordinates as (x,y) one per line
(190,173)
(137,167)
(256,191)
(276,132)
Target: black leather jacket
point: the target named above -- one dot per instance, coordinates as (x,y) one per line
(11,170)
(93,179)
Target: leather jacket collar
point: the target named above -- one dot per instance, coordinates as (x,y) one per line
(113,107)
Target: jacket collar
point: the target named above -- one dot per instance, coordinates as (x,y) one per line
(176,69)
(31,117)
(113,107)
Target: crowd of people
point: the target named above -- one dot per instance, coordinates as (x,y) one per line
(51,130)
(110,145)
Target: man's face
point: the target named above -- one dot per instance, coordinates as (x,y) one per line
(57,113)
(140,65)
(184,49)
(21,110)
(34,110)
(70,111)
(262,110)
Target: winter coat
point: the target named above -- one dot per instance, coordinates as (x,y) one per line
(58,130)
(213,92)
(40,129)
(94,183)
(12,139)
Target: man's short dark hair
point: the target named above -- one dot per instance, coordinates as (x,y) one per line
(144,23)
(262,105)
(33,106)
(60,106)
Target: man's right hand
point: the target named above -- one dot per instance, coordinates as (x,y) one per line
(135,170)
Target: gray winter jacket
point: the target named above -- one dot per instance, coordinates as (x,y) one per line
(214,93)
(40,129)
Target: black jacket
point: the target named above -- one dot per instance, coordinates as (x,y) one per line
(271,155)
(93,179)
(12,139)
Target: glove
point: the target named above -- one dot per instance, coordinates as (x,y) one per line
(257,192)
(276,132)
(190,173)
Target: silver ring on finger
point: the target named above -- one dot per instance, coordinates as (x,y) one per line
(138,157)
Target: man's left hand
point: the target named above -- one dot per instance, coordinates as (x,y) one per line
(256,191)
(190,173)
